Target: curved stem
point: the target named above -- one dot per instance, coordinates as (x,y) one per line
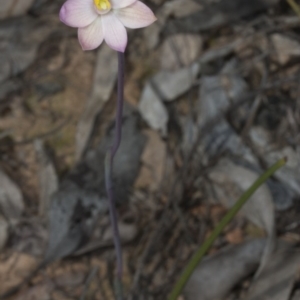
(108,176)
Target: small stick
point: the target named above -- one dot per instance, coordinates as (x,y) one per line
(90,278)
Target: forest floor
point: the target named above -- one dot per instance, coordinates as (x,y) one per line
(212,89)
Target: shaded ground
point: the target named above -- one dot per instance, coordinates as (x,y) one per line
(214,94)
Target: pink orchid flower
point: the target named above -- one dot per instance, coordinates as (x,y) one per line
(99,20)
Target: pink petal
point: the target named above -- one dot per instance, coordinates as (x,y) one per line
(121,3)
(91,37)
(115,34)
(78,13)
(136,15)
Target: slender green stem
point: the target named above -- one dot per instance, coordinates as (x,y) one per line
(295,7)
(197,257)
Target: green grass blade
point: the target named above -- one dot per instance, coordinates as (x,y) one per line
(294,6)
(197,257)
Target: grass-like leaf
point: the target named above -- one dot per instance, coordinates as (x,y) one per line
(295,7)
(197,257)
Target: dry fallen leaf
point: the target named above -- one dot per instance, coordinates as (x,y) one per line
(3,232)
(235,236)
(153,110)
(153,162)
(218,274)
(277,279)
(177,8)
(127,232)
(102,88)
(296,295)
(262,139)
(217,14)
(17,54)
(170,85)
(285,47)
(14,8)
(37,292)
(181,8)
(217,93)
(48,180)
(11,199)
(14,269)
(231,181)
(180,50)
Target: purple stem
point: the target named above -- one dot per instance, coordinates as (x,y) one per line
(108,176)
(118,134)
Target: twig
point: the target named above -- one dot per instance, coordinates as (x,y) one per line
(91,276)
(155,236)
(108,177)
